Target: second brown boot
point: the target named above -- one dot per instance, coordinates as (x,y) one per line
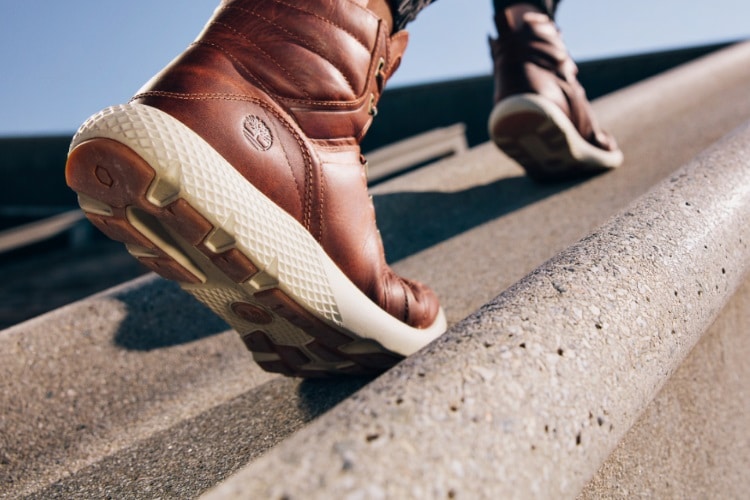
(237,172)
(542,118)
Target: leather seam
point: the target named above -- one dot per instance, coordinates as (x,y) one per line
(354,105)
(267,55)
(327,21)
(232,97)
(338,149)
(322,200)
(301,41)
(231,56)
(406,302)
(288,162)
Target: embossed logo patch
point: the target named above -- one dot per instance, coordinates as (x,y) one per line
(258,133)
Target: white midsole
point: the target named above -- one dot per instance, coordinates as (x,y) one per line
(272,239)
(580,149)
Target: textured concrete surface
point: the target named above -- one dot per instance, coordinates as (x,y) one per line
(139,392)
(528,396)
(39,280)
(481,217)
(693,440)
(81,382)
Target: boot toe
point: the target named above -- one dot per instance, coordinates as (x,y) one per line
(409,301)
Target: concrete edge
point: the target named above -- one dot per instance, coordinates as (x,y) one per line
(528,396)
(393,159)
(34,232)
(716,65)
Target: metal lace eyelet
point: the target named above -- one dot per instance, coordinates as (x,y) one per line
(381,67)
(380,74)
(372,110)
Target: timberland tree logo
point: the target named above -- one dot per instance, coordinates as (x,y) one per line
(258,133)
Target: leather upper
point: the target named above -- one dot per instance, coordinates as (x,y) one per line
(285,91)
(530,57)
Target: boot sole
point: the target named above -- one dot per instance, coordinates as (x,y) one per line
(541,138)
(145,179)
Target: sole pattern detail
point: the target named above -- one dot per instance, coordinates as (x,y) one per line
(537,135)
(146,180)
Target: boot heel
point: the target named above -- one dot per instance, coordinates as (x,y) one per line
(190,218)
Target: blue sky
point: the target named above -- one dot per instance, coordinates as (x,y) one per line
(63,60)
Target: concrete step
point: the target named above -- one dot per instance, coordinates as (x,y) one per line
(528,396)
(34,232)
(480,214)
(404,155)
(692,441)
(141,392)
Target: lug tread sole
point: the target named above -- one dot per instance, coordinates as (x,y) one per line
(545,143)
(173,239)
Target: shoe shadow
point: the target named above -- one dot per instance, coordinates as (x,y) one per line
(317,396)
(204,449)
(161,315)
(410,222)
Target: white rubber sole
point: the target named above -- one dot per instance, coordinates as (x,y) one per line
(241,219)
(540,137)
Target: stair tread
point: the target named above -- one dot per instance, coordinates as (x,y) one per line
(88,385)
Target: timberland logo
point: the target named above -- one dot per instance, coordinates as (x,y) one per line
(258,133)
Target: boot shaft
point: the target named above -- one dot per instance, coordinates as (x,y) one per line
(325,62)
(531,58)
(529,54)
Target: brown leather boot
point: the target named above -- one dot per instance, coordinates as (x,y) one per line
(542,118)
(237,172)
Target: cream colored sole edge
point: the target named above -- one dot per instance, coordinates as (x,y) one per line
(579,149)
(272,239)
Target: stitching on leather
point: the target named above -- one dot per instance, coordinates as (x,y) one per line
(308,197)
(337,149)
(269,56)
(201,96)
(237,97)
(302,42)
(322,201)
(289,163)
(256,80)
(386,289)
(406,301)
(327,21)
(357,103)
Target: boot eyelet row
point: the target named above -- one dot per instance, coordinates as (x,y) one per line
(380,74)
(372,110)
